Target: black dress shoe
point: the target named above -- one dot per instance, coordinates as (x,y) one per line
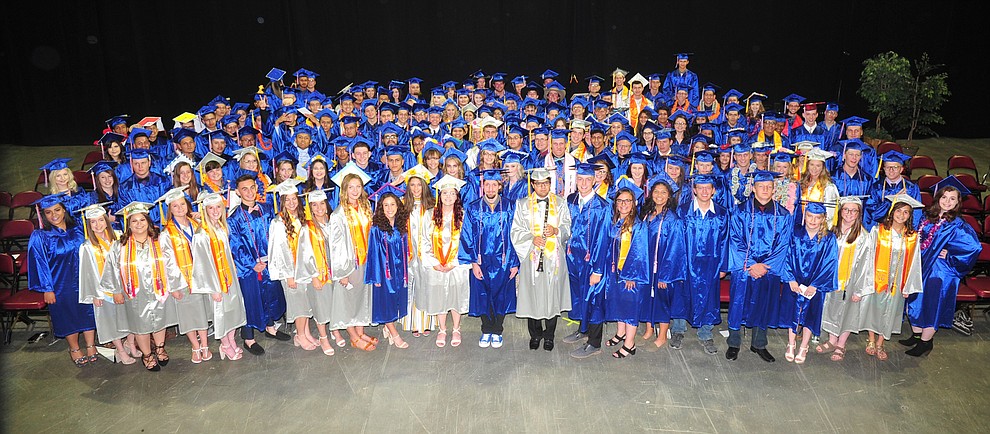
(282,336)
(923,347)
(911,341)
(534,343)
(764,354)
(548,345)
(254,349)
(732,353)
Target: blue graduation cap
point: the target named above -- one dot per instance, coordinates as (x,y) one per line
(492,175)
(625,184)
(491,145)
(521,79)
(275,74)
(116,120)
(414,80)
(328,113)
(388,188)
(732,93)
(813,207)
(350,120)
(704,157)
(102,166)
(138,132)
(56,164)
(683,56)
(182,133)
(710,87)
(742,148)
(139,154)
(206,109)
(654,77)
(782,157)
(510,156)
(302,129)
(793,98)
(625,136)
(951,181)
(702,180)
(478,74)
(109,138)
(454,153)
(585,169)
(603,159)
(764,175)
(49,201)
(549,74)
(594,79)
(247,130)
(854,121)
(733,107)
(894,157)
(398,150)
(559,134)
(286,156)
(230,119)
(498,76)
(832,106)
(239,106)
(681,114)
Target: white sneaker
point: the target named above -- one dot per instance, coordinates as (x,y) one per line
(486,340)
(496,341)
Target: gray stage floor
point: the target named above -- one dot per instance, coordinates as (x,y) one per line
(512,389)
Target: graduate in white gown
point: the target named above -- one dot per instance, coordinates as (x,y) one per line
(418,203)
(111,321)
(314,273)
(215,274)
(541,228)
(141,278)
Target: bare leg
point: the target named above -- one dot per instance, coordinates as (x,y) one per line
(928,333)
(649,331)
(90,337)
(74,351)
(662,334)
(841,341)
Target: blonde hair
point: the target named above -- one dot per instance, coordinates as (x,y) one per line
(51,180)
(363,204)
(222,221)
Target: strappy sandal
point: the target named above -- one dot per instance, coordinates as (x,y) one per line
(616,340)
(624,352)
(824,348)
(871,348)
(455,338)
(93,357)
(442,338)
(339,340)
(362,344)
(329,349)
(151,363)
(789,354)
(197,356)
(881,353)
(838,354)
(801,355)
(81,361)
(206,354)
(161,355)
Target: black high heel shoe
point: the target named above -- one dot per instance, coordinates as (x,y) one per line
(911,341)
(616,340)
(923,347)
(161,355)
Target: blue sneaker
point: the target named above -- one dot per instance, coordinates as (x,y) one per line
(496,341)
(486,340)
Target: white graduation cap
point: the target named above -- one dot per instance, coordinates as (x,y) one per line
(852,199)
(539,174)
(805,145)
(469,107)
(348,169)
(818,154)
(316,195)
(619,71)
(93,211)
(638,78)
(289,186)
(170,168)
(135,207)
(448,181)
(148,120)
(241,152)
(172,195)
(418,171)
(580,123)
(209,198)
(902,197)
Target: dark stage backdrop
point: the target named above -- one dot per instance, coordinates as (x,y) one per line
(69,65)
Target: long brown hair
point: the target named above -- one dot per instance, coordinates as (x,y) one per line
(193,190)
(630,219)
(152,229)
(363,204)
(458,216)
(933,211)
(101,196)
(310,184)
(426,200)
(888,221)
(824,179)
(381,221)
(299,215)
(857,226)
(91,235)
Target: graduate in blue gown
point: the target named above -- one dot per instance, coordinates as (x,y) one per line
(891,183)
(627,273)
(486,245)
(264,301)
(682,77)
(664,247)
(759,235)
(515,186)
(53,269)
(388,249)
(59,179)
(849,176)
(949,250)
(144,185)
(587,258)
(810,272)
(706,241)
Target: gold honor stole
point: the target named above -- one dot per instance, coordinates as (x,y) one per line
(625,241)
(319,245)
(220,263)
(845,262)
(99,252)
(183,253)
(445,257)
(551,245)
(777,141)
(129,273)
(359,223)
(884,249)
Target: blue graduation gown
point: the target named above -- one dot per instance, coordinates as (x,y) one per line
(706,243)
(664,246)
(587,254)
(485,241)
(514,192)
(53,266)
(876,206)
(757,236)
(935,305)
(78,200)
(387,274)
(856,185)
(621,304)
(675,79)
(811,262)
(264,301)
(146,190)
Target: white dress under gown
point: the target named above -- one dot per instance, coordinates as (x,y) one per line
(195,311)
(883,312)
(840,313)
(111,320)
(351,306)
(282,267)
(541,295)
(146,312)
(439,292)
(228,313)
(320,300)
(417,320)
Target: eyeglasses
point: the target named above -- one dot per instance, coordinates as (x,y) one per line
(624,201)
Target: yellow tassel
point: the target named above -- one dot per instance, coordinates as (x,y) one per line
(309,212)
(879,167)
(275,202)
